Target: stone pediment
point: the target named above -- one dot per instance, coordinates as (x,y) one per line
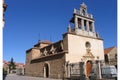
(88,54)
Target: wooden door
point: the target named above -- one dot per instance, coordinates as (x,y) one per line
(88,68)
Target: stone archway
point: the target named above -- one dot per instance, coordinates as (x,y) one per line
(88,68)
(46,70)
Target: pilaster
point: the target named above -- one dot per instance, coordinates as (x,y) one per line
(93,29)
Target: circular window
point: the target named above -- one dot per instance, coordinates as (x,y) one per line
(87,45)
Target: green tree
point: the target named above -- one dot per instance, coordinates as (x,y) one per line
(12,65)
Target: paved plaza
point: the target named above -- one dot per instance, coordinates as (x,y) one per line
(18,77)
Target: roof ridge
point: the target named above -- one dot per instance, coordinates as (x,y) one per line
(107,50)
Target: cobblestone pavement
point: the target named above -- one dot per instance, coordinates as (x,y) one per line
(17,77)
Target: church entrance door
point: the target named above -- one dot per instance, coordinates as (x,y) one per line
(88,68)
(46,70)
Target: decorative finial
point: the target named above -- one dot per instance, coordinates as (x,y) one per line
(83,5)
(97,34)
(69,25)
(69,28)
(39,38)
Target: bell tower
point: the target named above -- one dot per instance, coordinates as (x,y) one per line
(84,44)
(83,23)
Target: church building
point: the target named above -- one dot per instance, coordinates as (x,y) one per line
(79,53)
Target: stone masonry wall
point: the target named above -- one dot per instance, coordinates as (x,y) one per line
(112,57)
(55,62)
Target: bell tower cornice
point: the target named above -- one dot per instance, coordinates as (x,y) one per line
(83,22)
(83,11)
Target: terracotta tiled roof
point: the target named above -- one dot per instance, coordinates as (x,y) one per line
(19,63)
(107,50)
(46,42)
(5,62)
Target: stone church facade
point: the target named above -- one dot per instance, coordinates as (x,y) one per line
(79,53)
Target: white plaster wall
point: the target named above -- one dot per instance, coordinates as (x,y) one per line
(85,33)
(76,48)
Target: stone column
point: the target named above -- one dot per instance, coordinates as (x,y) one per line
(76,22)
(98,64)
(44,71)
(82,24)
(23,71)
(87,25)
(93,30)
(100,77)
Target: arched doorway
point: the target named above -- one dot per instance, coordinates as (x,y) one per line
(88,68)
(106,58)
(46,70)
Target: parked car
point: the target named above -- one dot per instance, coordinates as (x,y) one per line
(109,72)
